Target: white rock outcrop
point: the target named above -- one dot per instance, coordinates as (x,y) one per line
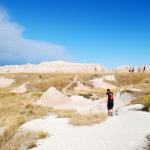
(55,99)
(122,69)
(52,98)
(109,78)
(5,82)
(54,66)
(147,69)
(122,99)
(81,87)
(100,83)
(21,89)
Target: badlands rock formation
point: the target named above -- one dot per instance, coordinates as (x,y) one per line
(5,82)
(21,89)
(122,99)
(126,68)
(52,98)
(54,66)
(122,69)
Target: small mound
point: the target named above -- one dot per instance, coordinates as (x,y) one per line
(123,99)
(52,97)
(5,82)
(80,87)
(55,99)
(21,89)
(84,106)
(100,83)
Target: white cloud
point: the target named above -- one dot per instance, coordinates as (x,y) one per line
(15,48)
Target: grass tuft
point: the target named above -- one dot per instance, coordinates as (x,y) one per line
(83,120)
(146,102)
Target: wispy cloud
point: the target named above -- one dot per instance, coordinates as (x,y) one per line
(14,48)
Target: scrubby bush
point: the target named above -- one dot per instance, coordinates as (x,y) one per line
(146,102)
(86,95)
(42,135)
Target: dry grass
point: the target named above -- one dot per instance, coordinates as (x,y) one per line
(78,119)
(21,141)
(146,102)
(131,78)
(57,80)
(14,111)
(83,120)
(59,83)
(42,135)
(41,81)
(86,95)
(90,91)
(64,113)
(87,76)
(24,140)
(36,94)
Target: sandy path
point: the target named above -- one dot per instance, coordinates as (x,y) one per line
(126,131)
(69,85)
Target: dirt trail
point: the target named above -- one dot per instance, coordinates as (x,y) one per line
(127,131)
(70,84)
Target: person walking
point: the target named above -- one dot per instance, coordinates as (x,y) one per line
(144,68)
(110,102)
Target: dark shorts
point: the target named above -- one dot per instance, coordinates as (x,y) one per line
(110,105)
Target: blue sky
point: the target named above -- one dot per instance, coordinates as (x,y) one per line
(108,32)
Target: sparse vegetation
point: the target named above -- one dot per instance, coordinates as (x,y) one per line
(31,145)
(128,79)
(146,102)
(42,135)
(64,113)
(20,141)
(86,77)
(41,82)
(82,120)
(86,95)
(14,111)
(24,140)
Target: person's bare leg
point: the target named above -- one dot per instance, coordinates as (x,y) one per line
(111,112)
